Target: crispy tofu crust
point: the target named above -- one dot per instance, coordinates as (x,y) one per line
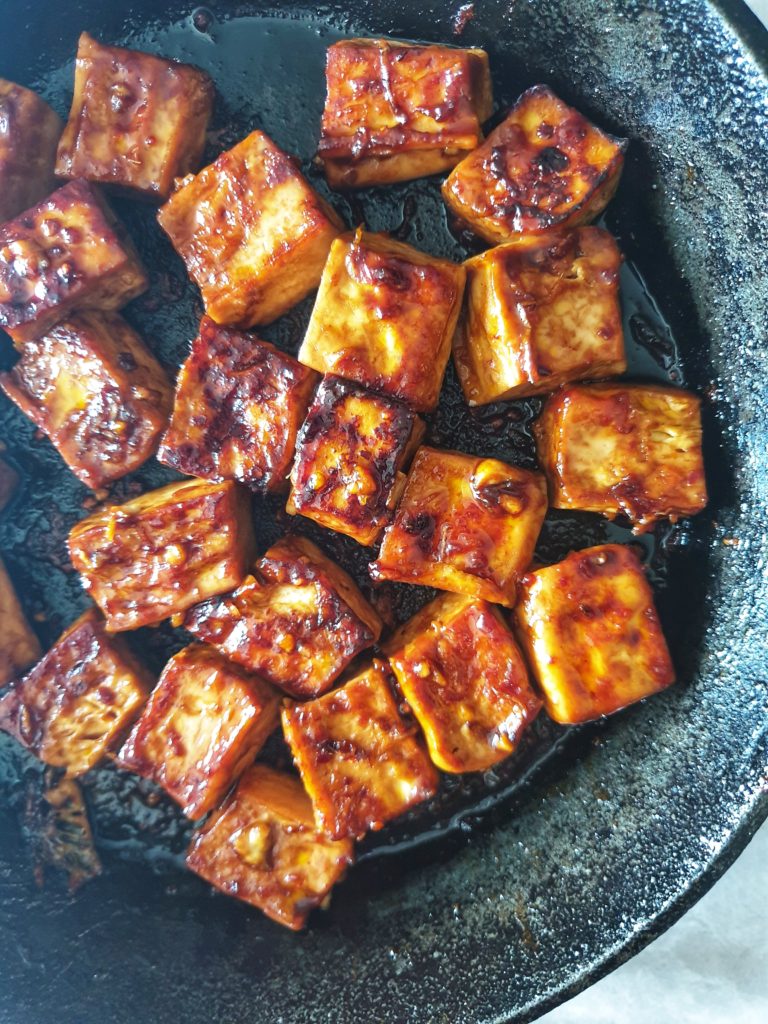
(623,448)
(203,725)
(78,701)
(137,121)
(592,635)
(540,312)
(159,554)
(94,388)
(465,524)
(544,167)
(298,621)
(9,480)
(360,762)
(29,134)
(384,317)
(252,232)
(396,111)
(19,647)
(239,405)
(459,668)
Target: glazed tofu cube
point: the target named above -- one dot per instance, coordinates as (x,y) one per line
(623,448)
(65,254)
(93,387)
(252,232)
(19,647)
(162,552)
(540,313)
(29,134)
(459,668)
(137,121)
(544,167)
(465,524)
(298,621)
(239,405)
(592,635)
(347,474)
(396,111)
(384,317)
(263,848)
(360,762)
(8,482)
(204,724)
(79,700)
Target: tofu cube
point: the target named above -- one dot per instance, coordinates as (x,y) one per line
(9,480)
(592,635)
(465,524)
(29,134)
(298,621)
(204,724)
(159,554)
(93,387)
(252,232)
(137,121)
(361,764)
(19,647)
(239,405)
(79,700)
(67,253)
(623,448)
(262,847)
(459,668)
(540,313)
(545,167)
(384,317)
(350,453)
(396,111)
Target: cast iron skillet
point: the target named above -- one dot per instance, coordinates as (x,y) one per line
(528,883)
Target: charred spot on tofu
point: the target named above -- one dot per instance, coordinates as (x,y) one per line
(79,700)
(252,232)
(384,317)
(623,449)
(203,725)
(592,634)
(137,121)
(465,524)
(396,111)
(545,166)
(67,253)
(360,762)
(239,405)
(29,134)
(465,680)
(9,480)
(540,313)
(262,847)
(161,553)
(19,647)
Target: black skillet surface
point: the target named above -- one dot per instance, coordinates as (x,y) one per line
(526,884)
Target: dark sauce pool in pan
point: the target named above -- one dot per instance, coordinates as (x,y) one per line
(269,75)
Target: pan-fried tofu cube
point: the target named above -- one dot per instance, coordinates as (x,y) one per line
(162,552)
(98,393)
(632,449)
(262,847)
(459,668)
(137,121)
(465,524)
(592,635)
(545,166)
(19,647)
(29,134)
(252,232)
(239,405)
(298,621)
(396,111)
(384,317)
(361,764)
(203,725)
(347,474)
(79,700)
(540,313)
(8,482)
(67,253)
